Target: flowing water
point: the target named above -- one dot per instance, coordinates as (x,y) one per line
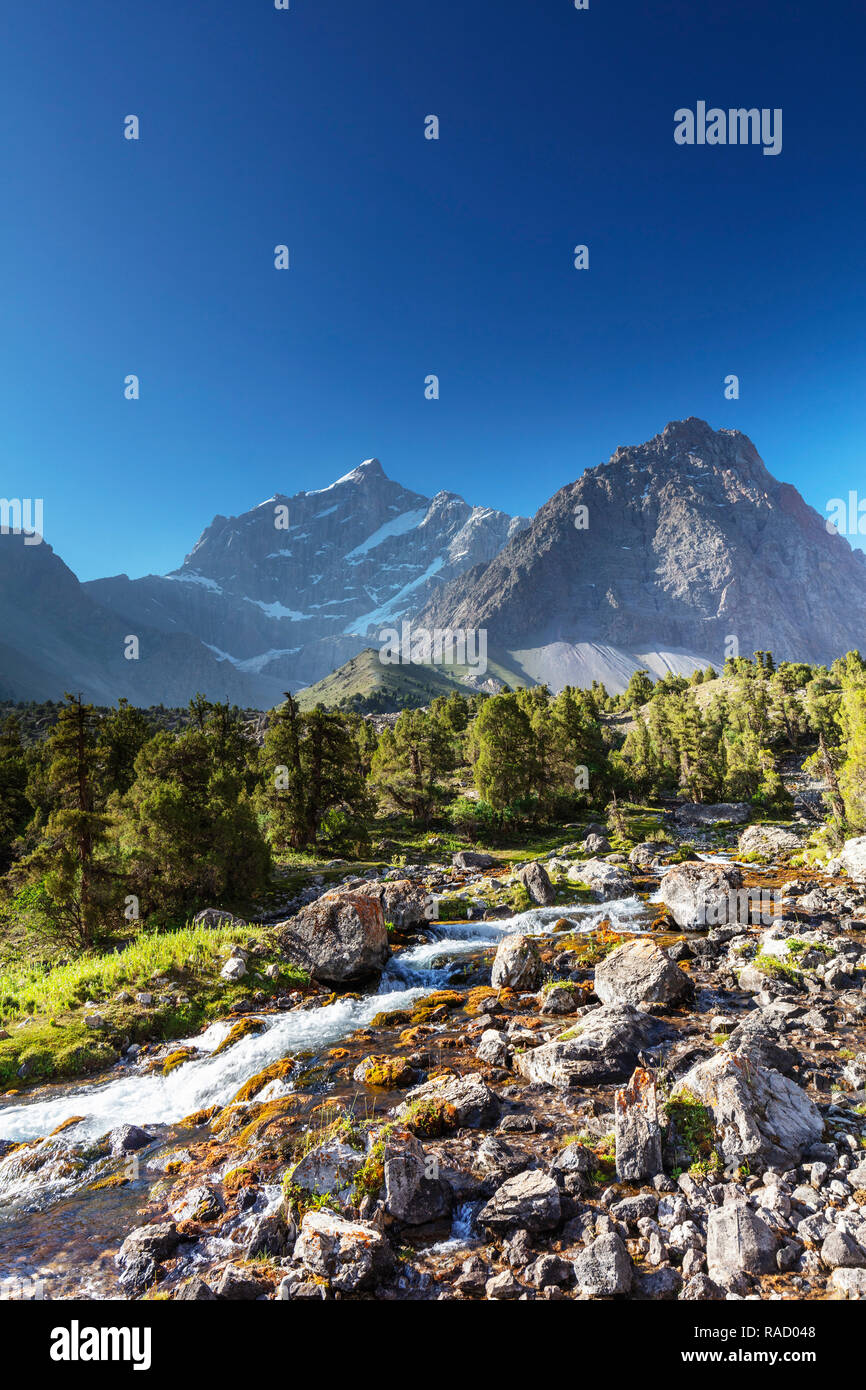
(53,1226)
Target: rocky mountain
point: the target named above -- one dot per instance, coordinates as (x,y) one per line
(271,600)
(686,542)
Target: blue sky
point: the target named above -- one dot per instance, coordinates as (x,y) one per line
(411,256)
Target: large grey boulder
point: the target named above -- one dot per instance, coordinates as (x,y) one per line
(760,1117)
(517,964)
(536,881)
(739,1241)
(404,902)
(771,841)
(339,939)
(637,1130)
(530,1201)
(640,974)
(351,1255)
(607,881)
(853,858)
(603,1046)
(604,1268)
(734,812)
(698,895)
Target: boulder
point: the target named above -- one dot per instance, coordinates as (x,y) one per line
(329,1170)
(494,1048)
(760,1117)
(126,1139)
(733,812)
(463,1101)
(529,1202)
(698,895)
(640,974)
(517,964)
(414,1195)
(473,859)
(597,844)
(771,841)
(604,1268)
(234,969)
(841,1251)
(739,1241)
(604,1046)
(637,1130)
(607,881)
(212,917)
(404,902)
(645,855)
(202,1203)
(339,939)
(535,879)
(853,858)
(351,1255)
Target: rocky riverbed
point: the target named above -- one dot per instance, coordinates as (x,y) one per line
(627,1089)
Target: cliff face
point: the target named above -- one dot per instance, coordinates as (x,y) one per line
(688,540)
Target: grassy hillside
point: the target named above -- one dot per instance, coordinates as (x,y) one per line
(373,687)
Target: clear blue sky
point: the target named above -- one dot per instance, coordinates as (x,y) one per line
(412,257)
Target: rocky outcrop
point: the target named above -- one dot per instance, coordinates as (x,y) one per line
(340,939)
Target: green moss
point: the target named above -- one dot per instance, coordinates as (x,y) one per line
(777,969)
(690,1126)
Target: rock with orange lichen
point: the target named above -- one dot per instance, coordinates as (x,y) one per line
(338,939)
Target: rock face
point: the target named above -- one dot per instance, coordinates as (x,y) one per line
(529,1201)
(339,939)
(739,1241)
(537,883)
(607,881)
(701,895)
(772,841)
(687,536)
(350,1254)
(517,965)
(604,1046)
(640,974)
(761,1117)
(637,1130)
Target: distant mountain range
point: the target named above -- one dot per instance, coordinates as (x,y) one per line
(656,558)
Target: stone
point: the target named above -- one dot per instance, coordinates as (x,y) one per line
(413,1195)
(597,844)
(404,903)
(473,859)
(604,1269)
(548,1271)
(559,1000)
(352,1255)
(841,1251)
(761,1117)
(126,1139)
(340,939)
(607,881)
(850,1282)
(328,1170)
(535,879)
(195,1291)
(234,969)
(637,1130)
(733,812)
(200,1203)
(529,1201)
(658,1285)
(604,1046)
(517,965)
(242,1283)
(771,841)
(503,1286)
(738,1240)
(494,1048)
(468,1100)
(699,895)
(212,917)
(640,974)
(158,1240)
(853,858)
